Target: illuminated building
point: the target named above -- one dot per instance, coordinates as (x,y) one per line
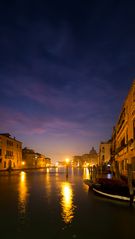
(10,152)
(91,158)
(104,152)
(123,139)
(33,160)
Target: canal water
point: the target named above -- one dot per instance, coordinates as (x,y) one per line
(39,204)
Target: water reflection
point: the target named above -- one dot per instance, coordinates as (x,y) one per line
(48,183)
(86,174)
(109,175)
(57,170)
(67,202)
(47,170)
(22,193)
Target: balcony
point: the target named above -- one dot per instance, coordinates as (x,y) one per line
(121,148)
(131,144)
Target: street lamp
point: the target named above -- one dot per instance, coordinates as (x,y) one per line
(23,163)
(67,163)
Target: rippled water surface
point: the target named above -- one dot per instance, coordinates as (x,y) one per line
(41,204)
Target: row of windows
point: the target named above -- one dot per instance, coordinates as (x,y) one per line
(9,153)
(124,140)
(124,164)
(9,143)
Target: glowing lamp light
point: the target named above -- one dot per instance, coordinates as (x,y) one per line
(23,163)
(56,164)
(67,160)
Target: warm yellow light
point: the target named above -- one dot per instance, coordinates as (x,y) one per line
(67,202)
(47,170)
(67,160)
(22,176)
(56,164)
(23,163)
(86,174)
(22,193)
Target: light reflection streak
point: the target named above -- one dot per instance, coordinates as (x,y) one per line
(67,202)
(86,174)
(47,182)
(22,193)
(47,170)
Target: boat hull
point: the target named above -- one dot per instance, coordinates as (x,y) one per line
(112,196)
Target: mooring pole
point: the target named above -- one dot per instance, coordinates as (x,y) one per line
(67,171)
(130,185)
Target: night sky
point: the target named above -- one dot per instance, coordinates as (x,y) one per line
(65,70)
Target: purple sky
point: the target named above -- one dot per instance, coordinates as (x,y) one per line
(65,70)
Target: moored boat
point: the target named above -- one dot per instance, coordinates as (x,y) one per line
(112,188)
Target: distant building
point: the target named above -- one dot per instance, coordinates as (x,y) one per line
(77,161)
(91,158)
(34,160)
(42,161)
(104,152)
(123,147)
(29,158)
(10,152)
(48,161)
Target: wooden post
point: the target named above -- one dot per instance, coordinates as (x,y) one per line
(90,172)
(117,170)
(130,185)
(67,171)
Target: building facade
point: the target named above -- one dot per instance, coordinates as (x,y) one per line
(104,152)
(90,159)
(123,148)
(33,160)
(10,152)
(29,159)
(93,157)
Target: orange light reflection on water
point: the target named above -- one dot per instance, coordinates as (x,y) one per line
(22,193)
(67,202)
(86,174)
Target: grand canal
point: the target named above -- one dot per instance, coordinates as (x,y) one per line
(39,204)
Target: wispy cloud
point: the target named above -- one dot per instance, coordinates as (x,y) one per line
(65,70)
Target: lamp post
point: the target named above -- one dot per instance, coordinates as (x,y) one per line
(67,162)
(23,164)
(130,178)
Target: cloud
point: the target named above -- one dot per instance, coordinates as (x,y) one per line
(65,70)
(87,102)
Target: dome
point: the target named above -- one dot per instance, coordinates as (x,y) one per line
(92,151)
